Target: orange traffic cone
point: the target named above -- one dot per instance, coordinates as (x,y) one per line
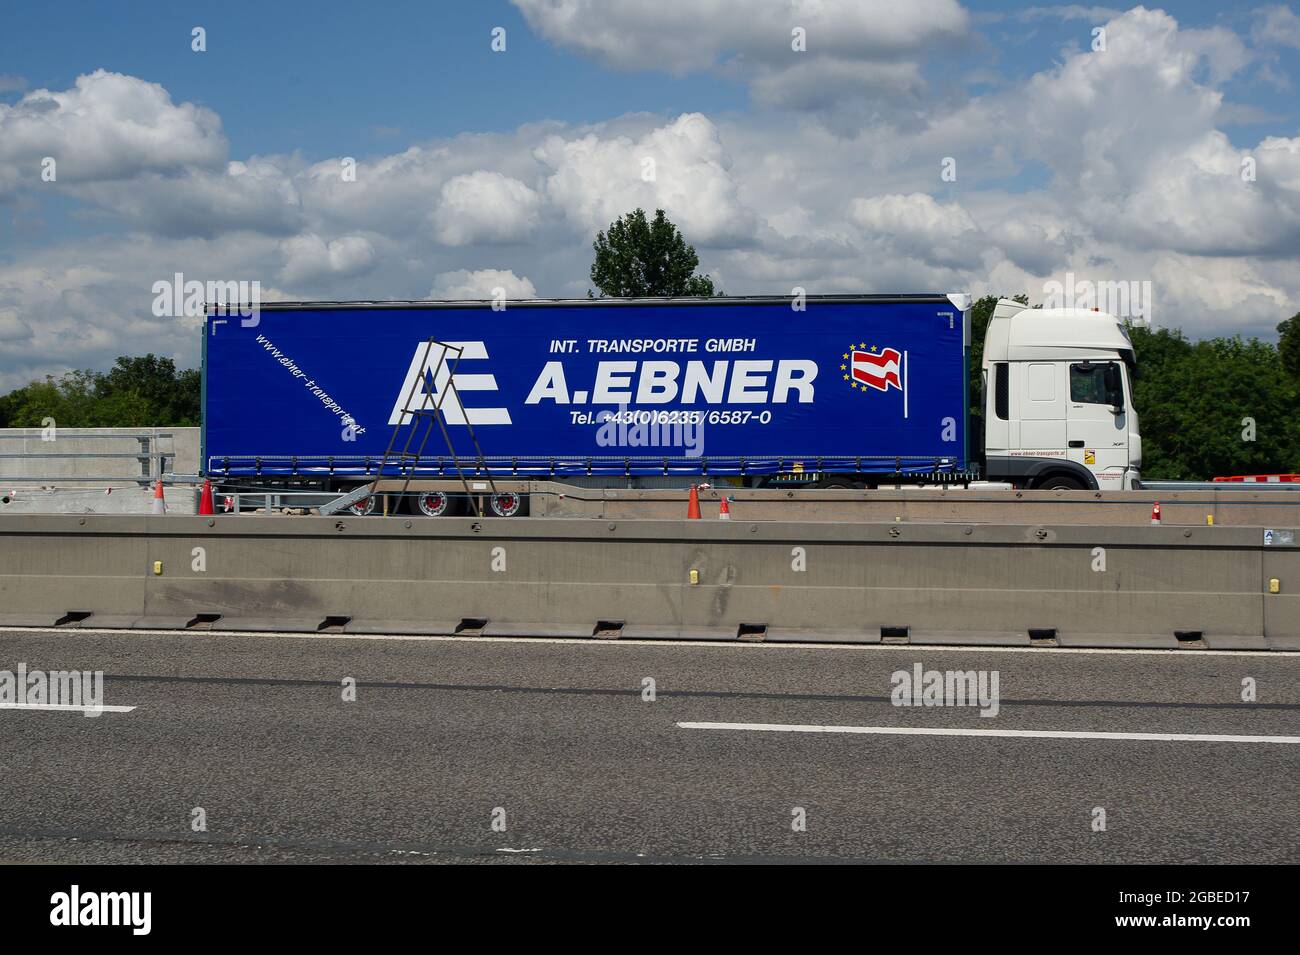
(1155,513)
(724,512)
(159,503)
(205,498)
(693,508)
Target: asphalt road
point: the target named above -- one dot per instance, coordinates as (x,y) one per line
(254,730)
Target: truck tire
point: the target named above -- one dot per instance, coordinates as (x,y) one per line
(837,484)
(365,507)
(1059,482)
(507,504)
(436,504)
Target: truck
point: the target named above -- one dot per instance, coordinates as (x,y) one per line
(822,391)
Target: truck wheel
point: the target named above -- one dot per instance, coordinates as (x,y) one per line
(364,507)
(1060,483)
(507,504)
(436,504)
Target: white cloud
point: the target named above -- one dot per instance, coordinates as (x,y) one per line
(12,328)
(309,258)
(680,167)
(107,127)
(685,35)
(482,284)
(1276,26)
(485,206)
(849,47)
(916,225)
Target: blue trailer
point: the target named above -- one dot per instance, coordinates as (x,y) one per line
(764,389)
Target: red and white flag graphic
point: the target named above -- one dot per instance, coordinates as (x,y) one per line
(877,371)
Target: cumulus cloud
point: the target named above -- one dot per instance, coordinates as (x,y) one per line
(794,53)
(107,127)
(1276,26)
(13,328)
(918,226)
(309,258)
(680,167)
(684,35)
(485,206)
(255,196)
(481,284)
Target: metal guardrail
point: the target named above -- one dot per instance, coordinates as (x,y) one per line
(154,462)
(1218,486)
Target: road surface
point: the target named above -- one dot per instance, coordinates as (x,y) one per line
(485,750)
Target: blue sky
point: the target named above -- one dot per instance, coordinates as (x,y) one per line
(351,78)
(347,77)
(480,168)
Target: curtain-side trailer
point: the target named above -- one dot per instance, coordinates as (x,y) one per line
(828,391)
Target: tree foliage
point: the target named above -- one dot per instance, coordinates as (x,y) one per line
(638,257)
(1288,345)
(140,392)
(1214,407)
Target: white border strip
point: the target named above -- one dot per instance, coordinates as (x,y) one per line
(1033,734)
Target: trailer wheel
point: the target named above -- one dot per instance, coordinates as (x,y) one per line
(364,507)
(837,484)
(507,504)
(436,503)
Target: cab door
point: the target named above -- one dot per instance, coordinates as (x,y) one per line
(1097,426)
(1042,407)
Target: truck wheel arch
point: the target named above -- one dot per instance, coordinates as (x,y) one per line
(1032,472)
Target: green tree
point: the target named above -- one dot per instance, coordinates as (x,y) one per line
(1213,407)
(162,392)
(137,392)
(1288,345)
(638,257)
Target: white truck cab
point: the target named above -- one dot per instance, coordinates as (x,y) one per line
(1058,399)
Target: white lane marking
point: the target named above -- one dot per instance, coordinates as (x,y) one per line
(71,707)
(729,644)
(1033,734)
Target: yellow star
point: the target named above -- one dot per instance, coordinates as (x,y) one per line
(854,385)
(863,345)
(846,377)
(844,356)
(873,348)
(842,367)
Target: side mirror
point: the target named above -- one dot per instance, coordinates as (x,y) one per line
(1117,410)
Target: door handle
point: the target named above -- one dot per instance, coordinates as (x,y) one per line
(1076,444)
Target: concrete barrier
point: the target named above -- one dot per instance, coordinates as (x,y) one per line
(132,499)
(1228,508)
(70,457)
(951,583)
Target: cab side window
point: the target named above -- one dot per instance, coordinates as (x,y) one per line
(1096,383)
